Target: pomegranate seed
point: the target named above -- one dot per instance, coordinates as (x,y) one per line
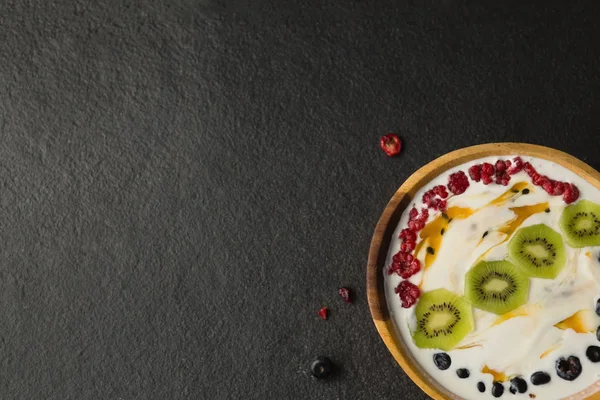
(323,313)
(571,193)
(407,234)
(500,166)
(559,189)
(458,182)
(475,172)
(390,144)
(487,169)
(408,292)
(413,214)
(345,294)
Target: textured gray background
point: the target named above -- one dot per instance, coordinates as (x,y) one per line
(183,186)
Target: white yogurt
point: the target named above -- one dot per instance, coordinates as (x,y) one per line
(515,346)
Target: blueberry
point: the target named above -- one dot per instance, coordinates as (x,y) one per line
(539,378)
(568,368)
(481,387)
(463,373)
(442,361)
(593,353)
(321,367)
(598,307)
(518,385)
(497,389)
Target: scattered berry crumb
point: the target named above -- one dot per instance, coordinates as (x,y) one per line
(390,144)
(323,313)
(345,294)
(408,292)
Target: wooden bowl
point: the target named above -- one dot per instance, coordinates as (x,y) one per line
(389,220)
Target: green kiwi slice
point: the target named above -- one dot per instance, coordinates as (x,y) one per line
(538,251)
(496,286)
(580,223)
(443,320)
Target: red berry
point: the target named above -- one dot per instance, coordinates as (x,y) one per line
(487,169)
(507,163)
(500,166)
(407,246)
(442,205)
(412,225)
(408,292)
(475,172)
(537,179)
(486,179)
(420,225)
(390,144)
(529,169)
(409,258)
(399,257)
(559,188)
(407,234)
(413,214)
(458,182)
(503,179)
(548,186)
(441,191)
(323,313)
(345,294)
(424,215)
(571,193)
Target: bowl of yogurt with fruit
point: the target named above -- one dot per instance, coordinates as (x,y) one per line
(484,275)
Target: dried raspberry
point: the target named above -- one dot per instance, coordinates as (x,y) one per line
(458,182)
(486,179)
(408,258)
(413,226)
(441,191)
(407,234)
(475,172)
(424,215)
(408,292)
(529,169)
(323,313)
(345,294)
(399,257)
(503,179)
(420,225)
(507,164)
(413,214)
(537,179)
(408,246)
(500,166)
(517,167)
(442,205)
(548,186)
(571,193)
(559,188)
(487,169)
(390,144)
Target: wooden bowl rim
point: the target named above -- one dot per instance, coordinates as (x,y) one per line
(389,220)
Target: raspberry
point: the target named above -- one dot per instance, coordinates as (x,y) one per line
(345,294)
(548,186)
(559,188)
(502,179)
(424,215)
(406,268)
(420,225)
(441,191)
(475,172)
(517,167)
(442,205)
(538,179)
(487,169)
(408,292)
(390,144)
(407,234)
(409,257)
(323,313)
(571,193)
(507,163)
(458,182)
(413,214)
(399,257)
(416,226)
(500,166)
(529,169)
(486,179)
(408,246)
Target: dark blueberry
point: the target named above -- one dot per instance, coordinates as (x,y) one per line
(568,368)
(598,307)
(518,385)
(463,373)
(598,333)
(430,250)
(442,361)
(497,389)
(593,353)
(321,367)
(539,378)
(481,387)
(525,191)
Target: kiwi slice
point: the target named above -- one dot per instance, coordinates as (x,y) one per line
(580,223)
(443,320)
(496,286)
(538,251)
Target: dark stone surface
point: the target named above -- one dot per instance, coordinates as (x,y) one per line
(185,185)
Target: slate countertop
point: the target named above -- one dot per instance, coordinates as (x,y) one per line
(185,185)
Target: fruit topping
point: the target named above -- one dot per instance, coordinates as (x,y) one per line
(475,172)
(571,193)
(538,251)
(408,292)
(442,361)
(539,378)
(496,286)
(487,169)
(593,353)
(580,223)
(408,235)
(405,265)
(481,387)
(458,182)
(443,320)
(463,373)
(568,368)
(518,385)
(345,294)
(323,313)
(497,389)
(390,144)
(321,367)
(517,166)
